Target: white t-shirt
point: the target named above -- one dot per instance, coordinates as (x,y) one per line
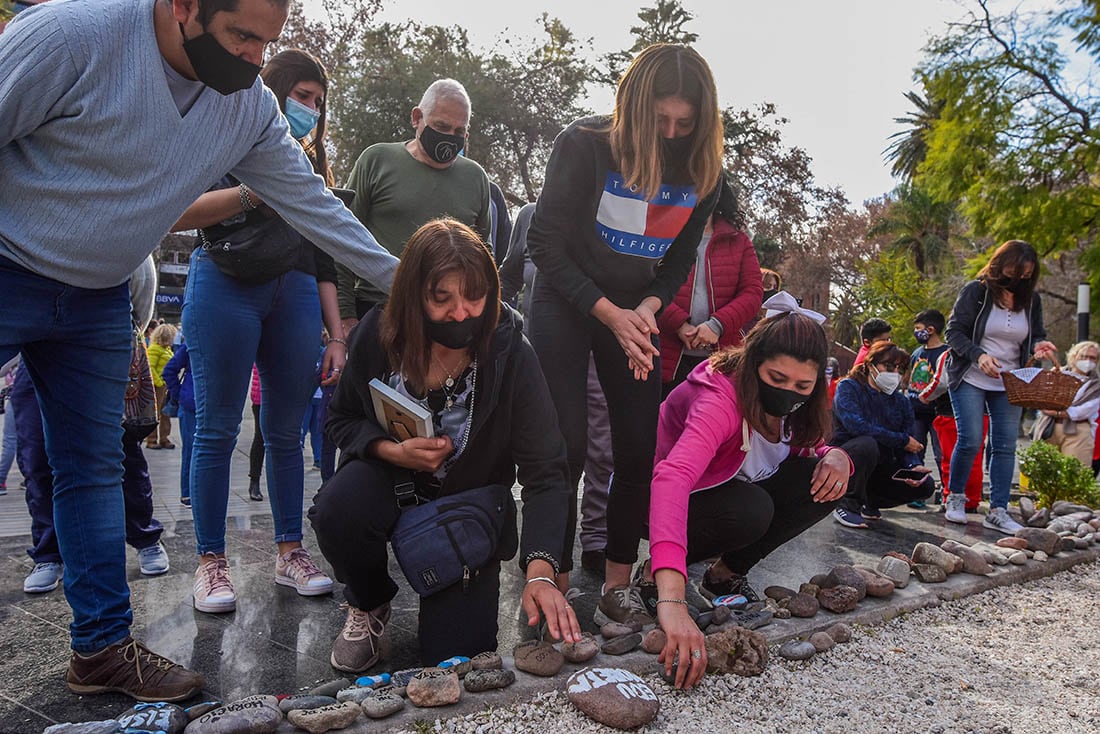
(763,458)
(1004,332)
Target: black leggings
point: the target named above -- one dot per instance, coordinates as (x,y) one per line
(873,483)
(563,338)
(353,515)
(744,521)
(256,453)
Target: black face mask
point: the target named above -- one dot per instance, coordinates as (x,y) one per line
(453,334)
(440,147)
(1015,286)
(677,149)
(217,68)
(779,401)
(768,294)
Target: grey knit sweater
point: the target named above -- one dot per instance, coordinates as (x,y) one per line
(96,163)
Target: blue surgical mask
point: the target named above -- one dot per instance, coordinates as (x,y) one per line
(301,118)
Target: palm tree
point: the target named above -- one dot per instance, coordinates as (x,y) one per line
(918,224)
(909,147)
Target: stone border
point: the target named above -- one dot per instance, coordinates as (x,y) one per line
(870,611)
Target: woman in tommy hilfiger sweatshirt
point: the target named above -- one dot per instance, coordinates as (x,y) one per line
(614,235)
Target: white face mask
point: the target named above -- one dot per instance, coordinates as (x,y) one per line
(888,382)
(1085,366)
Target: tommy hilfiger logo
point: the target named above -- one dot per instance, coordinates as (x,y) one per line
(631,225)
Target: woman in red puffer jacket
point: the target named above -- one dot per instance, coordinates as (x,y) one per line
(723,292)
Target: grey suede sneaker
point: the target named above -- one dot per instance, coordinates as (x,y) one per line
(358,645)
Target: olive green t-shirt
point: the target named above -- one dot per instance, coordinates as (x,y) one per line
(395,194)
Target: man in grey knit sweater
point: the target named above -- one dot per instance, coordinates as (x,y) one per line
(116,115)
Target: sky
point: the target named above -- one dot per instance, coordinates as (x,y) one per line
(836,70)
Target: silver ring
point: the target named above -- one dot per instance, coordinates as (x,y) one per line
(839,484)
(697,654)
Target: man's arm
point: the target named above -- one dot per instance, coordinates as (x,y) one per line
(278,169)
(36,71)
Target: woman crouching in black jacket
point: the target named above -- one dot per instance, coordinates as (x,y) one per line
(445,342)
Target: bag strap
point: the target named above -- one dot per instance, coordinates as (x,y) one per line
(404,487)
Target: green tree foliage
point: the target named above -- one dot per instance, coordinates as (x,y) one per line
(909,148)
(662,23)
(1015,142)
(917,224)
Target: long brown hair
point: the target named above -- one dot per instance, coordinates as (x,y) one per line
(792,335)
(437,249)
(281,72)
(881,353)
(1013,255)
(665,70)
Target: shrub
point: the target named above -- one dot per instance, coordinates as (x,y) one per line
(1054,476)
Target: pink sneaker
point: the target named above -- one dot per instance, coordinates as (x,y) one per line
(297,569)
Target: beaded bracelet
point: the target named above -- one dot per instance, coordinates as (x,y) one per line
(247,204)
(338,340)
(542,556)
(673,601)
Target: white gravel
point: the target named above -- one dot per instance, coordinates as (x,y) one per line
(1017,659)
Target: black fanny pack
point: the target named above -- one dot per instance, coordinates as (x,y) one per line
(447,540)
(256,252)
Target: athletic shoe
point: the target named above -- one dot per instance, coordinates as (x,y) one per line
(999,519)
(647,590)
(621,604)
(153,560)
(849,519)
(297,569)
(185,501)
(357,646)
(918,505)
(45,577)
(213,590)
(736,584)
(956,508)
(131,668)
(870,513)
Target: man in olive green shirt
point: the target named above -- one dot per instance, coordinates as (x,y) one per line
(400,186)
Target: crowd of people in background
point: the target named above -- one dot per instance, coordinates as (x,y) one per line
(621,331)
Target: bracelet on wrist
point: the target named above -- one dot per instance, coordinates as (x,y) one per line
(542,556)
(247,204)
(542,578)
(338,340)
(673,601)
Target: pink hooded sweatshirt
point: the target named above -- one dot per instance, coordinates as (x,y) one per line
(702,441)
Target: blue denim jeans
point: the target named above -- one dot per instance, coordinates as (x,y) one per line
(230,325)
(7,445)
(76,348)
(311,426)
(970,404)
(186,418)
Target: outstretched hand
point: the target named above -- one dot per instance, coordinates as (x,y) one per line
(544,599)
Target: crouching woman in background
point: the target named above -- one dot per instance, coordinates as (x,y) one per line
(741,468)
(444,342)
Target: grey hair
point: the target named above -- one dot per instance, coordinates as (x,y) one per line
(444,89)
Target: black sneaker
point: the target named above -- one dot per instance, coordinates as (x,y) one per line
(647,590)
(735,584)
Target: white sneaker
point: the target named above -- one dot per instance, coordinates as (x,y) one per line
(213,590)
(999,519)
(956,508)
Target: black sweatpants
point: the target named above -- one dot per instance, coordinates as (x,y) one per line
(744,521)
(563,338)
(353,515)
(873,483)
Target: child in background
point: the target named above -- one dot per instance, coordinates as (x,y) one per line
(160,351)
(927,330)
(871,332)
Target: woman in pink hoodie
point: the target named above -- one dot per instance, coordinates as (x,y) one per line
(741,467)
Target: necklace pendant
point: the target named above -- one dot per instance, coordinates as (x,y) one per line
(450,403)
(449,382)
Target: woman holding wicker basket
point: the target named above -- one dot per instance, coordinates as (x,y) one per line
(996,326)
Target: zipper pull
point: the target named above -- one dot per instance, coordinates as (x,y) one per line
(465,579)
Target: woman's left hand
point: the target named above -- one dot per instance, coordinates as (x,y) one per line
(542,598)
(336,356)
(830,478)
(1045,350)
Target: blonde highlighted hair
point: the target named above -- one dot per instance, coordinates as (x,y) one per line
(660,71)
(164,335)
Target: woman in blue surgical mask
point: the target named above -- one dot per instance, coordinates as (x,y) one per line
(239,316)
(872,418)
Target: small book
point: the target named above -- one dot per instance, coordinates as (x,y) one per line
(400,416)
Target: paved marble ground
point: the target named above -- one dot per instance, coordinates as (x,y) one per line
(277,641)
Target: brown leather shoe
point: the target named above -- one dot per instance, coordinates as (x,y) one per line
(131,668)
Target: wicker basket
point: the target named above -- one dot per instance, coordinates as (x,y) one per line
(1039,389)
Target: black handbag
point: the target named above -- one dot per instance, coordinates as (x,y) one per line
(258,251)
(447,540)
